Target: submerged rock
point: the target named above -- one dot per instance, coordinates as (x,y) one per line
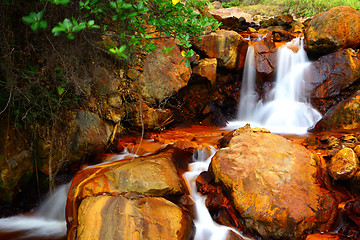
(332,30)
(273,185)
(127,217)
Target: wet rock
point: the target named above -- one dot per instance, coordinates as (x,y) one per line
(88,132)
(122,217)
(332,30)
(232,18)
(207,69)
(357,150)
(265,59)
(163,67)
(153,175)
(322,236)
(272,183)
(228,47)
(15,173)
(352,210)
(344,164)
(333,73)
(343,116)
(281,35)
(152,118)
(115,100)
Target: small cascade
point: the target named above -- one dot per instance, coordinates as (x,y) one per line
(48,221)
(206,228)
(286,110)
(248,95)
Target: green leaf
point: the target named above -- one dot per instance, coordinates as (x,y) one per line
(58,30)
(70,36)
(90,23)
(43,24)
(61,90)
(122,48)
(113,4)
(34,26)
(39,15)
(187,63)
(28,19)
(60,2)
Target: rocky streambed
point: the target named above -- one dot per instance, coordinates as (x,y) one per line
(261,184)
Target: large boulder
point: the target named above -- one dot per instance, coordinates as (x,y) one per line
(163,74)
(228,47)
(273,185)
(343,116)
(332,30)
(232,18)
(334,72)
(154,175)
(132,217)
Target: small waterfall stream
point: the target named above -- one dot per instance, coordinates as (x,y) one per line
(48,221)
(206,228)
(286,110)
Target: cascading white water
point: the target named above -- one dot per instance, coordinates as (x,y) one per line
(206,228)
(286,110)
(47,221)
(248,95)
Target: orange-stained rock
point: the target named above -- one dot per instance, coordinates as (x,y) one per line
(265,57)
(160,68)
(228,47)
(344,164)
(334,72)
(343,116)
(273,185)
(337,28)
(207,69)
(153,175)
(322,236)
(122,217)
(152,118)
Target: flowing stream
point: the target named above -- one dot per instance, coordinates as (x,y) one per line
(286,110)
(48,221)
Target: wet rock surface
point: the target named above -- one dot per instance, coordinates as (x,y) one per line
(154,175)
(344,164)
(273,185)
(132,217)
(161,67)
(332,30)
(228,47)
(343,116)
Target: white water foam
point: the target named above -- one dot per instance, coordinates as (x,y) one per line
(286,110)
(206,228)
(47,221)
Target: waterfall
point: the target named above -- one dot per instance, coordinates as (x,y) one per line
(47,221)
(206,228)
(286,110)
(248,95)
